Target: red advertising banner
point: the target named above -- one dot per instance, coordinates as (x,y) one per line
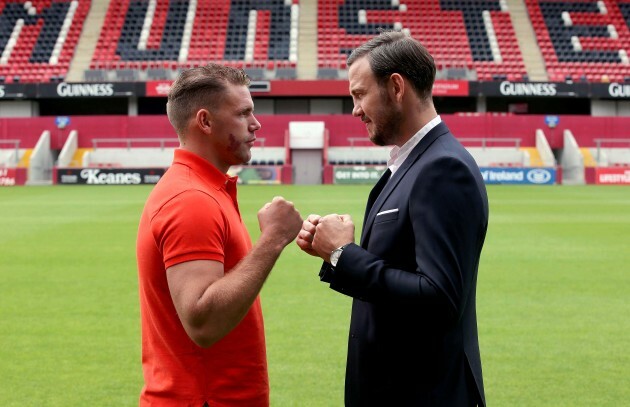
(450,88)
(612,176)
(12,176)
(158,88)
(7,177)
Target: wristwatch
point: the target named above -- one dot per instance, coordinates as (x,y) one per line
(335,254)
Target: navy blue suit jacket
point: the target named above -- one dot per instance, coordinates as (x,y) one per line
(413,332)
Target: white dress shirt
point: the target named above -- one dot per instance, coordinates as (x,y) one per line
(398,155)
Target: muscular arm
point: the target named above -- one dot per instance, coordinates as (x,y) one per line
(210,303)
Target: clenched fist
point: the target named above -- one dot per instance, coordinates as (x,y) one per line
(306,235)
(331,232)
(279,221)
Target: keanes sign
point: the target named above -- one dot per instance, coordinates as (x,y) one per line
(109,176)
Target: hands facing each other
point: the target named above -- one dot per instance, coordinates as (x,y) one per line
(321,235)
(305,237)
(279,220)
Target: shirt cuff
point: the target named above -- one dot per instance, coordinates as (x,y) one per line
(326,273)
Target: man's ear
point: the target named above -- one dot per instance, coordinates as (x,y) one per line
(203,119)
(396,87)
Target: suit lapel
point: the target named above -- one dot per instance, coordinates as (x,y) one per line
(376,192)
(378,196)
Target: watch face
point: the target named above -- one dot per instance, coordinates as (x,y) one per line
(334,257)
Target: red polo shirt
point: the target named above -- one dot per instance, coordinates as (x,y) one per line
(192,214)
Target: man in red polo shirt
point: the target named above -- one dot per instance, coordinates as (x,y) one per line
(203,340)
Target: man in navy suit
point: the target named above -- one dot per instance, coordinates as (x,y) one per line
(413,332)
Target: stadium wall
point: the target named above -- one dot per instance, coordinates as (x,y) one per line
(274,127)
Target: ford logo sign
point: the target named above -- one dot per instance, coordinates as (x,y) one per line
(539,176)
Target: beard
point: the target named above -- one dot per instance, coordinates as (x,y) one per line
(387,130)
(240,150)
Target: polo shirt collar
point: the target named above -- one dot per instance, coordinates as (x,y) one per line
(204,168)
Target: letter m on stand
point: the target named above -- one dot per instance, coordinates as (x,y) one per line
(38,39)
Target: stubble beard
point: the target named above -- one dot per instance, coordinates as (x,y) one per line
(240,150)
(385,134)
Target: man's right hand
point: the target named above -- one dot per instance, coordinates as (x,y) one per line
(279,221)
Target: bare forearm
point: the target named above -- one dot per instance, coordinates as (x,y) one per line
(226,301)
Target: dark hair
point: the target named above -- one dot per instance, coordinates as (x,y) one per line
(200,87)
(396,52)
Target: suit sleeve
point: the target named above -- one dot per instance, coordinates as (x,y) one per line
(448,221)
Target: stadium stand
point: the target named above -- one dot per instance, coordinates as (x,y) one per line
(136,152)
(136,156)
(348,144)
(474,43)
(157,36)
(499,141)
(611,152)
(358,155)
(38,39)
(10,153)
(34,163)
(268,155)
(487,152)
(583,41)
(147,40)
(470,40)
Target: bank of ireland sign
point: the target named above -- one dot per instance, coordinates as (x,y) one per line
(535,176)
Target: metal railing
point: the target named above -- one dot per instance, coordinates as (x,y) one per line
(485,141)
(14,144)
(600,141)
(129,141)
(352,140)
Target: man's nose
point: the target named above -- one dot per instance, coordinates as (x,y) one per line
(256,124)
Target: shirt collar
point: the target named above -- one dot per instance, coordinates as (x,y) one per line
(204,168)
(398,155)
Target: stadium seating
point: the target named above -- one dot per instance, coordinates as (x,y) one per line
(152,40)
(358,155)
(38,38)
(501,157)
(126,152)
(136,157)
(12,156)
(268,155)
(609,154)
(8,157)
(139,157)
(477,37)
(583,41)
(260,37)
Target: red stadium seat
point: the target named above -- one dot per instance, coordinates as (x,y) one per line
(30,57)
(443,32)
(591,61)
(209,40)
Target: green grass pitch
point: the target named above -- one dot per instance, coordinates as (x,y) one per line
(553,297)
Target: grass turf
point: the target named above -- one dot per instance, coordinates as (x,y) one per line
(552,297)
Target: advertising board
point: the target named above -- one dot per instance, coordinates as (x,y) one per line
(257,175)
(359,174)
(612,176)
(532,176)
(108,176)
